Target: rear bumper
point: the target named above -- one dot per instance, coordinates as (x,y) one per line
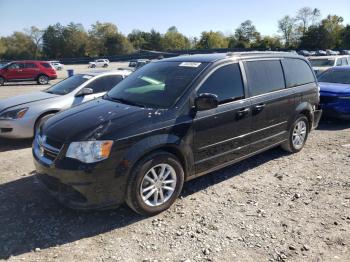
(317,117)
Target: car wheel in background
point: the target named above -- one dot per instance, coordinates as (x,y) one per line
(298,134)
(2,81)
(43,80)
(155,183)
(105,65)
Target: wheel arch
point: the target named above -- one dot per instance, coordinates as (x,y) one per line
(48,112)
(167,143)
(305,109)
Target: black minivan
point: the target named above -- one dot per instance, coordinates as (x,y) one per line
(174,120)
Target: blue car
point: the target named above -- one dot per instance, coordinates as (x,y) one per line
(335,92)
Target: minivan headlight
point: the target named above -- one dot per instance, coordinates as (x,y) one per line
(89,151)
(14,114)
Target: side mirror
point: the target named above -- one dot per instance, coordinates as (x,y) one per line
(85,91)
(206,101)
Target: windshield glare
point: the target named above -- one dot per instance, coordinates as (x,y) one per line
(158,84)
(335,76)
(322,62)
(68,85)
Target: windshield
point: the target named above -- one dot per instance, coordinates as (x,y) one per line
(68,85)
(156,85)
(335,76)
(322,62)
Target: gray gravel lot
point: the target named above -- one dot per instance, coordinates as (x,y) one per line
(272,207)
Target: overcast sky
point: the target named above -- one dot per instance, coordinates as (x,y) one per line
(190,16)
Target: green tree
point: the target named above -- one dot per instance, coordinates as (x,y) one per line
(75,40)
(36,35)
(247,33)
(104,39)
(3,47)
(53,41)
(173,40)
(317,37)
(287,26)
(136,37)
(212,39)
(333,25)
(345,36)
(18,46)
(268,42)
(307,17)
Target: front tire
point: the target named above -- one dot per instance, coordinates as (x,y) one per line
(155,183)
(43,80)
(2,81)
(298,135)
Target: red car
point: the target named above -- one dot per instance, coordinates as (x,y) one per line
(40,71)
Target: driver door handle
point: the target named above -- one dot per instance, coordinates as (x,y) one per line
(259,107)
(242,112)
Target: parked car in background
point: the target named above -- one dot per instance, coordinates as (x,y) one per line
(345,52)
(304,53)
(321,64)
(321,53)
(335,92)
(21,115)
(136,64)
(332,52)
(40,71)
(99,63)
(57,65)
(174,120)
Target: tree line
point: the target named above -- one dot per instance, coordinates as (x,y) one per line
(305,30)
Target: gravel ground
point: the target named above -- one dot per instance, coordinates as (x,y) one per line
(272,207)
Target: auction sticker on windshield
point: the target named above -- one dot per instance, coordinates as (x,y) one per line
(190,64)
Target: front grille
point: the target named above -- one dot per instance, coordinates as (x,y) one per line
(54,143)
(328,99)
(65,191)
(48,148)
(6,130)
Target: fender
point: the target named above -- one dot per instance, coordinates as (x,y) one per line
(303,107)
(181,147)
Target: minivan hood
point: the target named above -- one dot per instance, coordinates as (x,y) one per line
(24,99)
(335,88)
(100,119)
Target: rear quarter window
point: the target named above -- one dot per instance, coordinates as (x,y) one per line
(264,76)
(46,65)
(297,72)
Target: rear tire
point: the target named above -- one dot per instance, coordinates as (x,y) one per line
(155,183)
(2,81)
(298,135)
(43,80)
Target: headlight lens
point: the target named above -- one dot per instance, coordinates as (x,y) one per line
(14,114)
(89,151)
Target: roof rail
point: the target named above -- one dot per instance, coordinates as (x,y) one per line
(256,53)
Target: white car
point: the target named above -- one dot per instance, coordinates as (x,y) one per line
(322,63)
(57,65)
(99,63)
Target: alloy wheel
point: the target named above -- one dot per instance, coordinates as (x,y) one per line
(299,134)
(158,185)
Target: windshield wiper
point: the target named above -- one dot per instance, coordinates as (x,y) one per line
(124,101)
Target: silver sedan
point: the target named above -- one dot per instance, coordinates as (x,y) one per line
(21,115)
